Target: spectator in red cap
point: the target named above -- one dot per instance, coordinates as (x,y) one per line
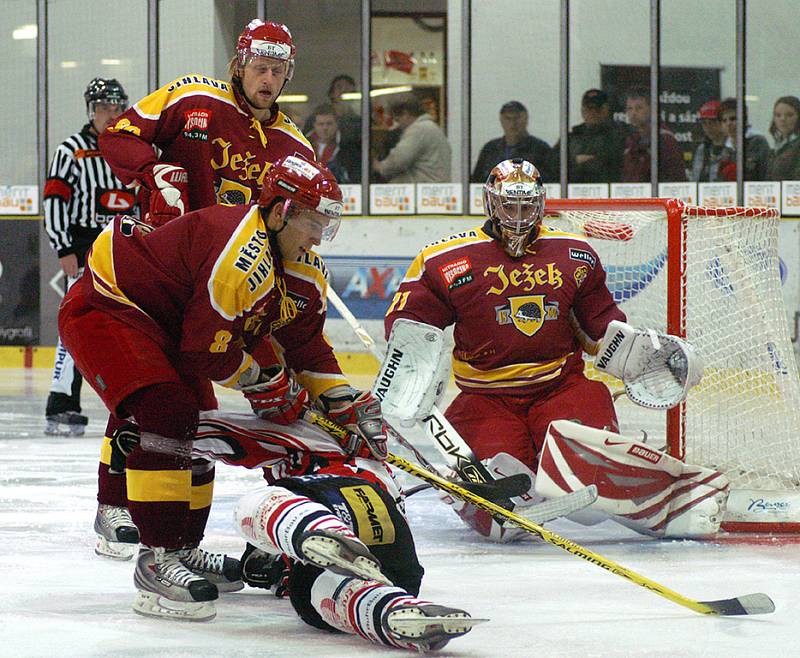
(712,159)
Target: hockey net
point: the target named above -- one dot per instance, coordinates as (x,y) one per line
(710,275)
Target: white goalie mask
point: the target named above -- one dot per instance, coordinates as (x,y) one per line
(513,198)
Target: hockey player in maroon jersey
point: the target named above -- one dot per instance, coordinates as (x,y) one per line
(217,141)
(526,301)
(161,314)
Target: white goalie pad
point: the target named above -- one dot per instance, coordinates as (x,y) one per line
(657,369)
(414,372)
(643,488)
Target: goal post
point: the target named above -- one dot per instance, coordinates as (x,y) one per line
(710,275)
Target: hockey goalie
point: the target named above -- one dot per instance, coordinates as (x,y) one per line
(525,302)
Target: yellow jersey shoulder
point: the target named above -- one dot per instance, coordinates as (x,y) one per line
(188,85)
(244,271)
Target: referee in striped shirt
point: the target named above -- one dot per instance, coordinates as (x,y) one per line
(81,195)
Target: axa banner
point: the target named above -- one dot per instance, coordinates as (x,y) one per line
(366,283)
(19,282)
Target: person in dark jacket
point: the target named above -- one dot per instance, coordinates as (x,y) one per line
(516,142)
(756,147)
(596,146)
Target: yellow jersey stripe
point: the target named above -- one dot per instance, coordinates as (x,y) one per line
(201,495)
(511,383)
(105,451)
(316,383)
(159,486)
(515,372)
(417,268)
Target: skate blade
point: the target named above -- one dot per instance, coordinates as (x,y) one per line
(150,604)
(418,625)
(114,550)
(332,554)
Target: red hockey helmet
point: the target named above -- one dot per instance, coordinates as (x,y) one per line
(260,39)
(513,198)
(305,186)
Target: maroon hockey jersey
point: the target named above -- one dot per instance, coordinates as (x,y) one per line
(208,288)
(520,323)
(206,127)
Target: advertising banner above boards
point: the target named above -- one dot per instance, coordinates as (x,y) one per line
(19,282)
(367,283)
(19,199)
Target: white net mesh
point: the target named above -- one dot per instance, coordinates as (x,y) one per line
(744,417)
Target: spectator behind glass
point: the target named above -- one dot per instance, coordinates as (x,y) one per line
(712,160)
(341,157)
(784,162)
(515,143)
(422,155)
(596,146)
(636,161)
(756,148)
(347,118)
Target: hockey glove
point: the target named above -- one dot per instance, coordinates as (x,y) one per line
(168,185)
(123,440)
(359,412)
(276,396)
(265,571)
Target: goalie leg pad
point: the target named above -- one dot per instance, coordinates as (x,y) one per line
(643,488)
(415,371)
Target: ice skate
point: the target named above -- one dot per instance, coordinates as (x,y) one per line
(66,423)
(220,570)
(340,554)
(167,588)
(117,536)
(427,626)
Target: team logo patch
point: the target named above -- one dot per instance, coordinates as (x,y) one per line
(527,313)
(583,256)
(456,273)
(196,126)
(580,275)
(231,193)
(373,523)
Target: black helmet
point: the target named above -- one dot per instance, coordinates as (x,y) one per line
(104,90)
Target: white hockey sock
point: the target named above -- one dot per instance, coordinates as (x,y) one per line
(356,606)
(272,518)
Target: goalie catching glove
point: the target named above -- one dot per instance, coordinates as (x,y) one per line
(359,412)
(168,185)
(276,396)
(657,369)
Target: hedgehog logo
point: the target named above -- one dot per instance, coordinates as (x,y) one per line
(527,313)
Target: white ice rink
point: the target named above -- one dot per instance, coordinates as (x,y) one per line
(59,599)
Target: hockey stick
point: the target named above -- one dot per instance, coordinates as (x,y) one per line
(749,604)
(454,449)
(543,512)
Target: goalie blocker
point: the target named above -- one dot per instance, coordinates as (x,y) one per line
(414,372)
(642,488)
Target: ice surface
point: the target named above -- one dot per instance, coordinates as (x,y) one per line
(61,600)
